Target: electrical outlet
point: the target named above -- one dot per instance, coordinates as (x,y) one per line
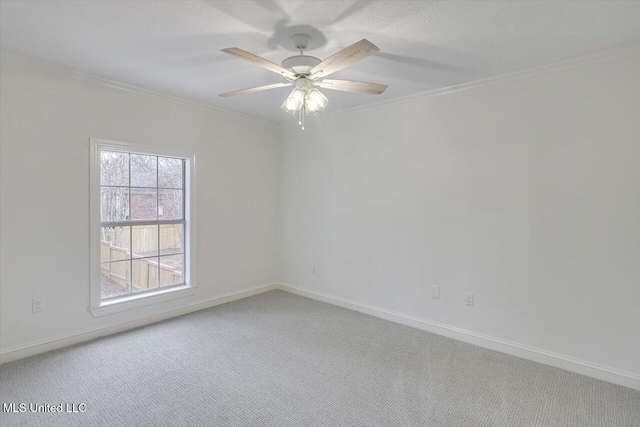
(435,292)
(468,298)
(36,305)
(315,269)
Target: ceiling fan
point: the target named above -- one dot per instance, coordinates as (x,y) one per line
(307,73)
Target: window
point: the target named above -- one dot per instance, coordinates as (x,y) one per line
(143,226)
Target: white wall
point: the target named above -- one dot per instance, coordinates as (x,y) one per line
(525,191)
(46,120)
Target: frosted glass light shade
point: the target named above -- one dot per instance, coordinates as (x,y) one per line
(294,101)
(314,102)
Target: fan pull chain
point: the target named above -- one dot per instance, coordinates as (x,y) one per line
(302,116)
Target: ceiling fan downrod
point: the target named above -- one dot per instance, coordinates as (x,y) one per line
(301,41)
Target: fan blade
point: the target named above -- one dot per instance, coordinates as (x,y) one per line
(261,62)
(352,86)
(255,89)
(347,56)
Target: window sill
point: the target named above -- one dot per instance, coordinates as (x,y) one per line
(135,301)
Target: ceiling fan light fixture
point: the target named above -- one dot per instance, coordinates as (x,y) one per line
(314,102)
(304,71)
(294,101)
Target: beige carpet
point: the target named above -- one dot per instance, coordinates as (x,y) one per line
(278,359)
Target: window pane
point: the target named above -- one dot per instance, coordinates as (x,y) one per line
(114,168)
(114,204)
(171,239)
(145,241)
(170,172)
(143,203)
(145,189)
(145,274)
(115,278)
(171,270)
(114,243)
(170,204)
(144,170)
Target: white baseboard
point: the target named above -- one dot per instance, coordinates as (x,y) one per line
(42,346)
(526,352)
(593,370)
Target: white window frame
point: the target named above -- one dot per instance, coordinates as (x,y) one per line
(97,306)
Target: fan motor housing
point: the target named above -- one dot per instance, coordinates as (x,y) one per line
(301,64)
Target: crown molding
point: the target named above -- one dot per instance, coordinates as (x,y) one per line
(612,54)
(63,70)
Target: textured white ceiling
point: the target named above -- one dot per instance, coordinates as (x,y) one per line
(174,46)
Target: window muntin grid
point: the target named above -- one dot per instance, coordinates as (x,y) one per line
(142,218)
